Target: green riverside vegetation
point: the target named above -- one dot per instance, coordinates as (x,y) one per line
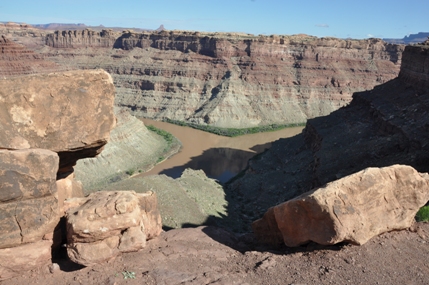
(234,132)
(169,138)
(166,135)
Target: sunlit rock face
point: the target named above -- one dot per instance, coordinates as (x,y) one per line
(46,111)
(229,79)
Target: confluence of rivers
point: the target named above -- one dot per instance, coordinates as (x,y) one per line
(219,157)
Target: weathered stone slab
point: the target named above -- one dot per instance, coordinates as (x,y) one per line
(46,111)
(15,260)
(104,224)
(27,221)
(27,174)
(353,209)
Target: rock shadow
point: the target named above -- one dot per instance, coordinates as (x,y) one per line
(221,164)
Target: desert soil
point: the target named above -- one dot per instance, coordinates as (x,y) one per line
(209,255)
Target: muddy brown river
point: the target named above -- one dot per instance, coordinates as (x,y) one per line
(220,157)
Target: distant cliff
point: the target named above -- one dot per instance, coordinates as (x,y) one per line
(410,39)
(229,79)
(81,38)
(380,127)
(16,59)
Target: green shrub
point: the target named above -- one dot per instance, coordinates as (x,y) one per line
(423,214)
(130,172)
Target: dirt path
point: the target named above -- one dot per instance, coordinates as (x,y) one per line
(208,255)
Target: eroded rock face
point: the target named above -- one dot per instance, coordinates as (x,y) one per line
(28,204)
(131,146)
(27,174)
(16,59)
(14,261)
(381,127)
(46,111)
(104,224)
(81,38)
(415,69)
(352,209)
(229,80)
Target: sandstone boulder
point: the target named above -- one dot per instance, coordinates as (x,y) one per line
(28,203)
(353,209)
(46,111)
(104,224)
(15,260)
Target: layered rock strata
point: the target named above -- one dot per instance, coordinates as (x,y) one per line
(352,209)
(131,148)
(384,126)
(229,80)
(16,59)
(81,38)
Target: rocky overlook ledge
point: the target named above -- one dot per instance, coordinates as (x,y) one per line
(229,79)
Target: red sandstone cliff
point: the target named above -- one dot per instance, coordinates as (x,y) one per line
(229,80)
(16,59)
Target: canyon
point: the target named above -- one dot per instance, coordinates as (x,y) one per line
(380,127)
(223,79)
(384,125)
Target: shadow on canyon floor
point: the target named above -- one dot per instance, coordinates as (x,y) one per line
(221,164)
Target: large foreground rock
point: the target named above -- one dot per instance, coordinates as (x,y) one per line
(46,111)
(104,224)
(353,209)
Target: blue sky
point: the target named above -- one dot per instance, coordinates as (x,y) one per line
(337,18)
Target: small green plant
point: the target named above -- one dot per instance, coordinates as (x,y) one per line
(423,214)
(129,274)
(130,172)
(160,158)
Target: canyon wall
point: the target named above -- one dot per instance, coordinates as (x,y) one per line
(132,148)
(16,59)
(228,79)
(380,127)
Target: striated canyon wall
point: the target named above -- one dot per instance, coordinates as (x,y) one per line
(228,79)
(16,59)
(380,127)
